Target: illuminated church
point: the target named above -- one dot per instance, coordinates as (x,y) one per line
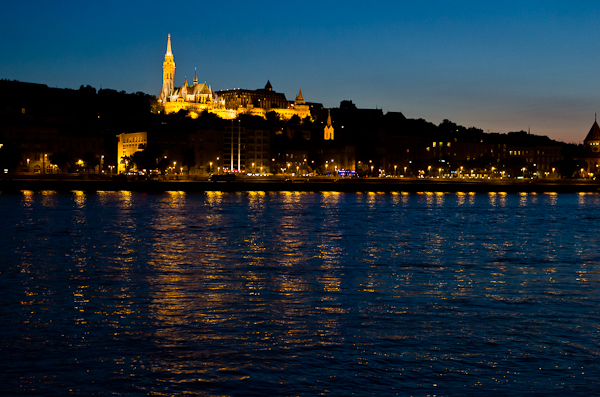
(227,104)
(194,98)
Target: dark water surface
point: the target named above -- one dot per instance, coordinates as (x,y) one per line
(119,293)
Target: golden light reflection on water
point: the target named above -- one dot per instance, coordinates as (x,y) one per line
(215,284)
(214,197)
(125,198)
(49,198)
(461,198)
(523,199)
(492,198)
(79,198)
(439,198)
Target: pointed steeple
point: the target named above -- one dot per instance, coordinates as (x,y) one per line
(185,83)
(195,77)
(269,87)
(299,99)
(169,53)
(168,73)
(594,134)
(328,131)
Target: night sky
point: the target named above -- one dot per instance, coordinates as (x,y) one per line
(499,66)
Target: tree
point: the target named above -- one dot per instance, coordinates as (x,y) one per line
(147,159)
(60,159)
(90,160)
(10,156)
(189,158)
(294,120)
(127,161)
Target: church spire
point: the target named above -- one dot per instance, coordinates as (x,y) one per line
(299,99)
(328,132)
(169,53)
(195,77)
(168,73)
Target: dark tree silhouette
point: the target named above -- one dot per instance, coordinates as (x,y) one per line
(10,157)
(189,158)
(61,160)
(90,160)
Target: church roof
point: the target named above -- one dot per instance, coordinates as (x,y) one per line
(201,88)
(594,134)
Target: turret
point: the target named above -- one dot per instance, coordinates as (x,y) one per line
(299,99)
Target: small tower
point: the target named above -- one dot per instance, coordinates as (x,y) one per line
(195,77)
(299,99)
(592,140)
(168,73)
(329,127)
(268,87)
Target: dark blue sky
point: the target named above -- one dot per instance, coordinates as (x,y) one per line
(502,66)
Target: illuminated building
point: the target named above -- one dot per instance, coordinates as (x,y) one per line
(128,144)
(228,104)
(262,101)
(195,98)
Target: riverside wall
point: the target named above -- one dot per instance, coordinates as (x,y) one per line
(387,185)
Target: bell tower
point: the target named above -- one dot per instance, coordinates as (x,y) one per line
(168,73)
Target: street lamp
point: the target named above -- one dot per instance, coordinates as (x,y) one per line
(395,167)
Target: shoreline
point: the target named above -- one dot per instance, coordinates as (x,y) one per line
(303,185)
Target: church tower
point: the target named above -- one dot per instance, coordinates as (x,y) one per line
(168,73)
(328,128)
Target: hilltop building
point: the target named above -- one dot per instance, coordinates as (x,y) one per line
(227,104)
(195,98)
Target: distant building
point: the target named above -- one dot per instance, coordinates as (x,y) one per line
(127,145)
(262,101)
(227,104)
(591,147)
(195,98)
